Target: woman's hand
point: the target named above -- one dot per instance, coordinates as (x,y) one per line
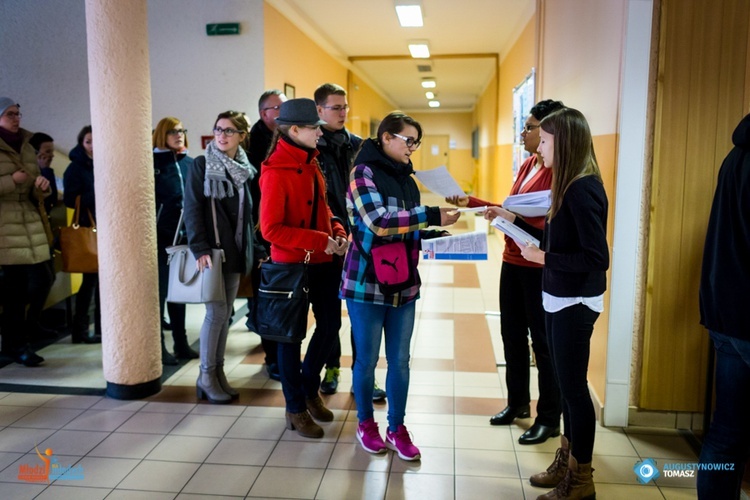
(532,253)
(332,246)
(263,261)
(343,245)
(42,183)
(203,262)
(19,176)
(493,212)
(448,216)
(459,201)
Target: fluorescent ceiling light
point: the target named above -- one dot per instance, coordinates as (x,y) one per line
(429,83)
(419,50)
(409,16)
(434,104)
(429,95)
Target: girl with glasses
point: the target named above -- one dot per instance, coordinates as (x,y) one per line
(220,181)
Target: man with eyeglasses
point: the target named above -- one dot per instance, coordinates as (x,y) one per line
(261,135)
(337,148)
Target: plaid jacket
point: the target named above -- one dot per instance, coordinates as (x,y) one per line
(384,206)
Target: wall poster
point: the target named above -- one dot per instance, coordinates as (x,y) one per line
(523,101)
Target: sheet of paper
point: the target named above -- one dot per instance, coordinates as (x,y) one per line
(467,246)
(527,211)
(439,181)
(475,209)
(535,204)
(519,235)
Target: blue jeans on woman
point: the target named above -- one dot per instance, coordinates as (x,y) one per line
(728,439)
(369,321)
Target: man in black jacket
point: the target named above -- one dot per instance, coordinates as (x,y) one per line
(724,297)
(261,135)
(337,149)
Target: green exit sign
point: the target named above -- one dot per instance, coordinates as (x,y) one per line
(223,29)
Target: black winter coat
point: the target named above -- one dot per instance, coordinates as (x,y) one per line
(260,140)
(78,180)
(169,183)
(337,150)
(200,227)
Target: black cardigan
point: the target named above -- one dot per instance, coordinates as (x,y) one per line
(200,227)
(575,242)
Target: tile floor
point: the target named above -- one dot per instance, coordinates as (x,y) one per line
(170,446)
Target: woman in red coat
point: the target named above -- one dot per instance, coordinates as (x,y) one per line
(296,220)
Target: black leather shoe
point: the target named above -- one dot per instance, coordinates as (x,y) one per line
(27,357)
(509,414)
(538,433)
(273,371)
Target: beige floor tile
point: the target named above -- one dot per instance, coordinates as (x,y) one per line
(473,420)
(431,390)
(436,436)
(128,445)
(678,493)
(478,392)
(257,428)
(10,473)
(72,401)
(58,492)
(218,410)
(483,438)
(183,449)
(65,442)
(99,420)
(419,487)
(612,469)
(10,414)
(7,458)
(613,443)
(433,461)
(627,492)
(471,488)
(22,440)
(488,380)
(264,412)
(332,431)
(310,455)
(26,399)
(214,479)
(488,463)
(101,472)
(349,484)
(241,452)
(47,418)
(286,482)
(140,495)
(204,425)
(20,490)
(152,423)
(532,463)
(150,475)
(115,404)
(653,446)
(413,418)
(159,407)
(350,456)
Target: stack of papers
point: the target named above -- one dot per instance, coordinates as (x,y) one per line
(534,204)
(520,236)
(468,246)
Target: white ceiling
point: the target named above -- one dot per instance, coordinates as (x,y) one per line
(465,37)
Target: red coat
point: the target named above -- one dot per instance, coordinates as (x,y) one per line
(287,184)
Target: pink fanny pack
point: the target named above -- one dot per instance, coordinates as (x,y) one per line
(391,265)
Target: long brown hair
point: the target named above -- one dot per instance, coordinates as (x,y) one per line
(574,155)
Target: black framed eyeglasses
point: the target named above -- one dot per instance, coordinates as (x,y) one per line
(177,131)
(528,128)
(13,114)
(229,132)
(410,141)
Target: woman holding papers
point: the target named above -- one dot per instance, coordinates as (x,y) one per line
(575,257)
(387,222)
(521,309)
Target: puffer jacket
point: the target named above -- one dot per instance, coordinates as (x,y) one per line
(78,180)
(22,236)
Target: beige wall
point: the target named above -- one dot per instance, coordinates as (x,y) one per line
(457,126)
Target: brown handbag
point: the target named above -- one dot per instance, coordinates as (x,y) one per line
(78,245)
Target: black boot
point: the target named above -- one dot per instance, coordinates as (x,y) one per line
(182,349)
(166,357)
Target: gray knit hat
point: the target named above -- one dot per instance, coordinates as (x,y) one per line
(5,103)
(300,111)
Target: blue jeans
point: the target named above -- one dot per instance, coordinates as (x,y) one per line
(368,322)
(728,439)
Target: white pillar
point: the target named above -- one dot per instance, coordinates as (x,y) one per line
(120,88)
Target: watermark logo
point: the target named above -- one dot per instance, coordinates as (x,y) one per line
(646,470)
(49,471)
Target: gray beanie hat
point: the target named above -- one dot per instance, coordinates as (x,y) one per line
(5,103)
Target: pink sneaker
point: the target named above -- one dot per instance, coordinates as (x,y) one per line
(369,436)
(400,442)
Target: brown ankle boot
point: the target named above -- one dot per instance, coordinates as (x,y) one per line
(578,483)
(555,472)
(318,410)
(303,424)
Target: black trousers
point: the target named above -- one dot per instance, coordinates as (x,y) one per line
(24,285)
(521,312)
(89,290)
(569,336)
(300,379)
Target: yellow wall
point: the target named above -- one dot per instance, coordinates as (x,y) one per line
(366,105)
(457,126)
(484,118)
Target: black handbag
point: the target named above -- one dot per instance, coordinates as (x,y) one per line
(283,300)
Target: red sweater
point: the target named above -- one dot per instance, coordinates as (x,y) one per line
(541,181)
(287,183)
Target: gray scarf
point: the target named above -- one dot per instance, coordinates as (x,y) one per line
(218,165)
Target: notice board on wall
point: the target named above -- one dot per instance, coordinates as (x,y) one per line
(523,101)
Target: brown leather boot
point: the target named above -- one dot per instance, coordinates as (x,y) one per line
(555,472)
(578,483)
(303,424)
(318,410)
